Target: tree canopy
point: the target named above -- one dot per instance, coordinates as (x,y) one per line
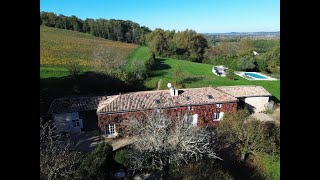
(116,30)
(186,44)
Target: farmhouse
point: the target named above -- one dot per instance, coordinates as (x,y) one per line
(197,106)
(203,106)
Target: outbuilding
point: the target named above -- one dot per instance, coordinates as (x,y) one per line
(254,98)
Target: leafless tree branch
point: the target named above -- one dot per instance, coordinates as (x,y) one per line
(162,141)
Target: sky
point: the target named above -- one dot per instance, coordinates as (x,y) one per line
(203,16)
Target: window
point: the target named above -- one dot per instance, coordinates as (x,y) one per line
(157,101)
(189,108)
(210,97)
(217,116)
(190,120)
(218,105)
(110,129)
(76,123)
(188,98)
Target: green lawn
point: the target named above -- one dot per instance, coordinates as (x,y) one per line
(198,75)
(141,53)
(56,71)
(270,165)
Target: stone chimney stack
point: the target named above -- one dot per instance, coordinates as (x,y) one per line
(172,91)
(176,92)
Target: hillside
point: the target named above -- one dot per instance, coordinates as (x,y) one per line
(191,74)
(59,46)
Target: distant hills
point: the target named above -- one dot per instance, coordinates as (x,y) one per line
(245,34)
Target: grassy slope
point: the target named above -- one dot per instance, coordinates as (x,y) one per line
(140,53)
(59,46)
(199,75)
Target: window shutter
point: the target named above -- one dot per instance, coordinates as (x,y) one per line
(221,115)
(114,126)
(70,125)
(80,123)
(195,119)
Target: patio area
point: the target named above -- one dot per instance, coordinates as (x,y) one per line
(219,70)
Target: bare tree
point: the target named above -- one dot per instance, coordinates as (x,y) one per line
(162,141)
(73,67)
(58,159)
(108,60)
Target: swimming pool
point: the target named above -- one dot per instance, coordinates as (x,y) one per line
(255,75)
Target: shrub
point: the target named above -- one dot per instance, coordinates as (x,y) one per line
(205,169)
(231,75)
(121,156)
(246,63)
(73,68)
(97,163)
(261,64)
(151,61)
(271,143)
(242,132)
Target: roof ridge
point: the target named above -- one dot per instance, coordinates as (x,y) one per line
(240,86)
(164,90)
(101,105)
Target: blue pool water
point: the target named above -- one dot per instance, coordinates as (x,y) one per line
(255,75)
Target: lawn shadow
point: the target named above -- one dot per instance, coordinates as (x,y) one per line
(160,64)
(240,170)
(85,84)
(157,68)
(191,79)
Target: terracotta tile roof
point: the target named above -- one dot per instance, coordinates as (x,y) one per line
(75,104)
(244,91)
(148,99)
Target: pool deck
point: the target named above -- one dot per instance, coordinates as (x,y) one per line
(241,74)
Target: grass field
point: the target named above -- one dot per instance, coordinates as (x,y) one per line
(198,75)
(270,166)
(59,46)
(141,53)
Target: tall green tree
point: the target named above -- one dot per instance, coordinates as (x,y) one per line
(159,41)
(116,30)
(246,63)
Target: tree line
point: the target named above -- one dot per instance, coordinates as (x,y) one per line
(188,44)
(116,30)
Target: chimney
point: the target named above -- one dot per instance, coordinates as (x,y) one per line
(176,92)
(171,91)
